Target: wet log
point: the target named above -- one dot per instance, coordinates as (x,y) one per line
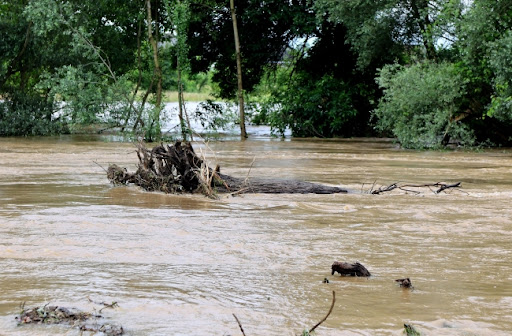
(273,186)
(345,268)
(176,168)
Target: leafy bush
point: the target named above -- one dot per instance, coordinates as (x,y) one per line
(501,62)
(421,103)
(313,108)
(28,115)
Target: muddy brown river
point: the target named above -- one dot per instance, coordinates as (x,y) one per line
(183,264)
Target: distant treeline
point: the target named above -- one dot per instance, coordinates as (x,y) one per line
(429,73)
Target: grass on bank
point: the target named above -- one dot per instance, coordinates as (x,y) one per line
(172,96)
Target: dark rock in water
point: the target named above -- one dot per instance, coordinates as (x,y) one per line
(345,268)
(406,282)
(325,280)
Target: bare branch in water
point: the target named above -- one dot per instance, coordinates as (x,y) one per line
(239,324)
(326,316)
(397,185)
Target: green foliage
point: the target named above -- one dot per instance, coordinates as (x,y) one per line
(82,59)
(265,30)
(87,96)
(500,60)
(314,108)
(179,11)
(371,27)
(28,115)
(420,105)
(320,92)
(215,116)
(384,31)
(72,52)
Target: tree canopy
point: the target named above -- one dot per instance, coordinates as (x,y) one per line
(427,72)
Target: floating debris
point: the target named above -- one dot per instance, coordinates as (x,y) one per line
(85,321)
(52,315)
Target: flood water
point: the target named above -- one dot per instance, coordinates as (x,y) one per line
(183,264)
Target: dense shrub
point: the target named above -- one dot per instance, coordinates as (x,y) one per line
(421,103)
(28,115)
(315,108)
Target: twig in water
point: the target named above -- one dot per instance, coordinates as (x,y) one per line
(373,185)
(250,167)
(238,192)
(326,316)
(100,166)
(397,185)
(109,305)
(239,324)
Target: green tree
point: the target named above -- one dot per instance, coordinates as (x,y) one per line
(180,13)
(421,103)
(384,31)
(500,62)
(83,54)
(322,93)
(483,44)
(267,27)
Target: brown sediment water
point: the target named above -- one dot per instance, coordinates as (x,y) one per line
(183,264)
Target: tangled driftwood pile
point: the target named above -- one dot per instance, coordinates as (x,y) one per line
(69,316)
(164,168)
(176,168)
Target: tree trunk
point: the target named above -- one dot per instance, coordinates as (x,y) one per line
(243,133)
(157,72)
(420,13)
(139,80)
(180,102)
(11,68)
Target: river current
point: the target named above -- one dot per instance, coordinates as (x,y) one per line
(183,264)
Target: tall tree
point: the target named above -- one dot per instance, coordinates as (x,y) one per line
(381,31)
(155,130)
(240,91)
(179,11)
(267,26)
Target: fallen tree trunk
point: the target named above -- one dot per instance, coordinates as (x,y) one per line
(273,186)
(176,168)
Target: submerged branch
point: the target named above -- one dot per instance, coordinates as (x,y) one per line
(440,186)
(239,325)
(328,313)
